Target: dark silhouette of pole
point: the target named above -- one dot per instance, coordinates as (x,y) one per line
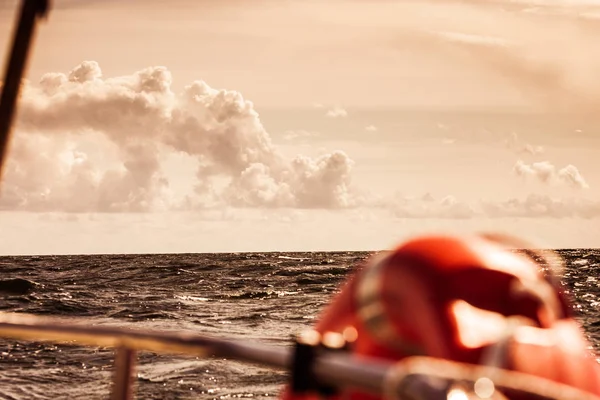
(31,11)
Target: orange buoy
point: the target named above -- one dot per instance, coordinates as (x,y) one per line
(461,298)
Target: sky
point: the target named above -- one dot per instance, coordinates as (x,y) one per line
(197,126)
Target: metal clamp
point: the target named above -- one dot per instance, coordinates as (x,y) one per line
(308,346)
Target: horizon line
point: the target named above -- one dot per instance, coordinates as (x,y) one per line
(260,252)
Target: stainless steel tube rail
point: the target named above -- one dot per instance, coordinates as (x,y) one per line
(415,378)
(127,342)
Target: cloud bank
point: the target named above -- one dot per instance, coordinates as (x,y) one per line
(136,120)
(532,206)
(86,143)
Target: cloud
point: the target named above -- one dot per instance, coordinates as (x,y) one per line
(545,172)
(336,112)
(511,41)
(514,143)
(533,206)
(473,39)
(371,128)
(558,82)
(88,143)
(85,142)
(311,183)
(427,206)
(291,135)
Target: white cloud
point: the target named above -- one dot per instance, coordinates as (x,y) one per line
(85,142)
(545,172)
(515,144)
(337,112)
(371,128)
(297,134)
(428,206)
(482,40)
(533,206)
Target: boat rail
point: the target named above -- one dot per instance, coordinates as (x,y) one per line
(415,378)
(127,342)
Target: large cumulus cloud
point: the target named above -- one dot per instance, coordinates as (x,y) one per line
(86,142)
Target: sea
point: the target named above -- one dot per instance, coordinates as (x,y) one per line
(260,297)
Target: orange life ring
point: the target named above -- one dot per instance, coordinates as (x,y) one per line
(458,298)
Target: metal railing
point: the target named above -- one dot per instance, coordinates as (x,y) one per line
(415,378)
(127,343)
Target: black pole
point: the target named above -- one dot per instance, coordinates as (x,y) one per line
(31,10)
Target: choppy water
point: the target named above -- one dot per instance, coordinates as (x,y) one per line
(254,296)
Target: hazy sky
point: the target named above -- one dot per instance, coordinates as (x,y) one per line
(172,126)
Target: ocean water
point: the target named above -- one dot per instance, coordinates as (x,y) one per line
(263,297)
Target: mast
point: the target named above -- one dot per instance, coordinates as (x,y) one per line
(31,11)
